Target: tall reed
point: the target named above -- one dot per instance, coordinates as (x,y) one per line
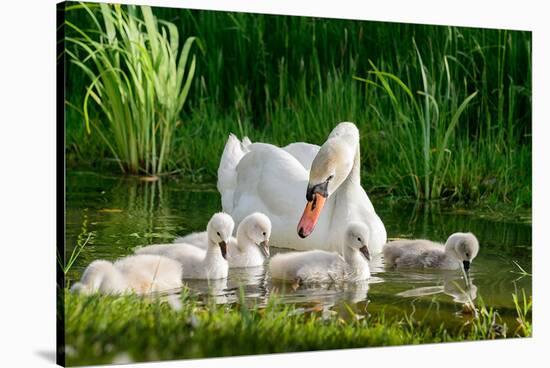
(296,83)
(425,124)
(139,80)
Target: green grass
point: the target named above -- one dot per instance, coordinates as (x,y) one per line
(98,329)
(444,112)
(66,264)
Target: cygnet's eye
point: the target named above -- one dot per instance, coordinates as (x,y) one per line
(217,232)
(330,178)
(263,233)
(467,254)
(359,239)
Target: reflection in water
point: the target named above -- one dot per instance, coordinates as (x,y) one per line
(123,213)
(463,294)
(326,294)
(211,290)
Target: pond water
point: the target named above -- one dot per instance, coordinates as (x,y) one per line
(123,213)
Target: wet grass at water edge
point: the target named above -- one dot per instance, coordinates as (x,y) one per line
(103,329)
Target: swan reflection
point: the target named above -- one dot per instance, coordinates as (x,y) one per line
(457,289)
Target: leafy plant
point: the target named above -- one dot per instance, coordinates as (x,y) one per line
(139,81)
(523,310)
(295,85)
(423,134)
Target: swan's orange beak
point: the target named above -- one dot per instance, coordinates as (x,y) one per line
(311,215)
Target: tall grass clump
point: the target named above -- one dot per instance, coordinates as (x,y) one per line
(425,122)
(139,80)
(450,118)
(446,111)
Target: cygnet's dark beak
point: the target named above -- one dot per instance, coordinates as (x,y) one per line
(365,250)
(223,248)
(264,247)
(466,265)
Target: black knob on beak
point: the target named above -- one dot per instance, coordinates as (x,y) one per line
(466,265)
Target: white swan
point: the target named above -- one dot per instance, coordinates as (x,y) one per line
(141,274)
(199,263)
(251,246)
(303,152)
(321,266)
(265,178)
(459,250)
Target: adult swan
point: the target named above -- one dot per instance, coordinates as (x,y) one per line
(260,177)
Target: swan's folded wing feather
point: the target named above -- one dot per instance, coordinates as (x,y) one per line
(303,152)
(199,239)
(233,153)
(269,180)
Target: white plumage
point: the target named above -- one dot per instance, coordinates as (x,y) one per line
(200,239)
(140,274)
(249,249)
(322,266)
(197,263)
(459,250)
(303,152)
(259,177)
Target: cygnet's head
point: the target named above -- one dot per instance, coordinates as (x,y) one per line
(357,237)
(257,228)
(219,230)
(464,246)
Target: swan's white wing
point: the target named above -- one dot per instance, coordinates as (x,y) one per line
(303,152)
(199,239)
(232,154)
(271,181)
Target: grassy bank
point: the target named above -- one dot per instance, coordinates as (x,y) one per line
(103,329)
(444,112)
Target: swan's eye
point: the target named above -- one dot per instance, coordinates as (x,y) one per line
(467,254)
(359,239)
(263,233)
(217,232)
(330,178)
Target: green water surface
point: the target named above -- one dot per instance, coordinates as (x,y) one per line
(123,213)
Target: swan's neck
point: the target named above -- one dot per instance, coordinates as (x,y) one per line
(450,250)
(347,193)
(243,241)
(213,253)
(247,247)
(355,173)
(354,258)
(353,180)
(358,265)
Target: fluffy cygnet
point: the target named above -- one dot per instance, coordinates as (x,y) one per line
(459,250)
(321,266)
(140,274)
(199,263)
(251,246)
